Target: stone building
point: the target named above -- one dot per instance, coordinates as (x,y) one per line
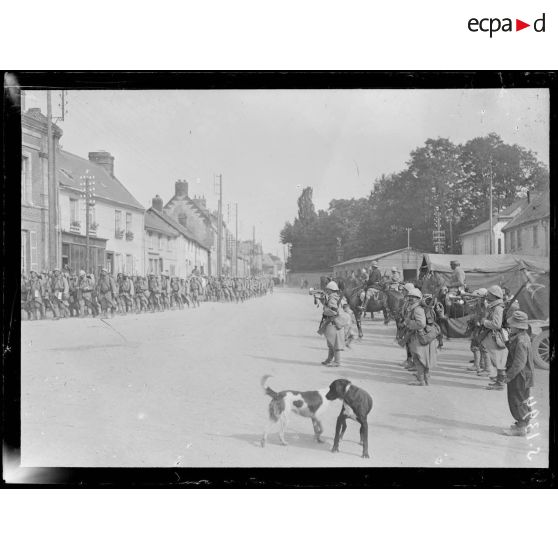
(35,229)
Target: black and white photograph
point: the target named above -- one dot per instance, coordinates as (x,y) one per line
(284,278)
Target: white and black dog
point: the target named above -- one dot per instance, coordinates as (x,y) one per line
(357,404)
(309,404)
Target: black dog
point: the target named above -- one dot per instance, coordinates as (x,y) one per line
(357,404)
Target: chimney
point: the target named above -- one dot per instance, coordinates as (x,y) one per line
(103,158)
(182,219)
(157,203)
(181,189)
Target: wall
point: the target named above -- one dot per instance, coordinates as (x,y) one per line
(528,246)
(34,202)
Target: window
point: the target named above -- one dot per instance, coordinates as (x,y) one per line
(474,243)
(24,251)
(511,239)
(487,243)
(118,265)
(150,241)
(535,236)
(26,179)
(129,264)
(160,242)
(518,239)
(91,216)
(128,223)
(499,246)
(117,221)
(34,264)
(172,269)
(74,211)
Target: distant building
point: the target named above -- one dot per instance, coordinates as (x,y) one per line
(477,240)
(35,229)
(272,265)
(171,246)
(528,233)
(194,214)
(116,221)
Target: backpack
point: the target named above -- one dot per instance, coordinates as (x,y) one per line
(432,329)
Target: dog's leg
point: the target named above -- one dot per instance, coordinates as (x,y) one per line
(283,421)
(340,425)
(318,429)
(364,438)
(268,427)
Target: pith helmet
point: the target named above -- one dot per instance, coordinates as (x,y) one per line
(496,291)
(415,292)
(332,286)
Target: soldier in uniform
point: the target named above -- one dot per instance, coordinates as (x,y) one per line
(25,295)
(373,283)
(154,293)
(175,296)
(126,291)
(46,291)
(35,297)
(105,291)
(140,288)
(394,279)
(59,295)
(334,333)
(86,288)
(458,279)
(519,373)
(493,337)
(424,356)
(476,329)
(165,290)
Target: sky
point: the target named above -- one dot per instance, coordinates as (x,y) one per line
(269,144)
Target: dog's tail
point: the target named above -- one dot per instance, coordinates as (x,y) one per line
(266,388)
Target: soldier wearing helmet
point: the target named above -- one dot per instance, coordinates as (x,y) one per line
(458,279)
(424,356)
(330,326)
(494,337)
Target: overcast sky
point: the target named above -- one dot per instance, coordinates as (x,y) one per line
(270,144)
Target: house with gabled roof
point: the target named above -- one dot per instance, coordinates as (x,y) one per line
(170,246)
(116,218)
(194,214)
(476,241)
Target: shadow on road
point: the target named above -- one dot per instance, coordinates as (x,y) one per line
(293,439)
(285,360)
(451,423)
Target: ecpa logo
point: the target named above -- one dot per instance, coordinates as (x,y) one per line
(492,25)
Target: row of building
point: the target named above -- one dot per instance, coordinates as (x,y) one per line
(175,237)
(523,228)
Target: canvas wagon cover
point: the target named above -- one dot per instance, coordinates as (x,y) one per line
(506,270)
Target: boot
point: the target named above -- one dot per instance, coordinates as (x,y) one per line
(329,358)
(419,381)
(427,377)
(517,431)
(498,384)
(476,366)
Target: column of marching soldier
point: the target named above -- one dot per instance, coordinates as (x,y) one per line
(69,294)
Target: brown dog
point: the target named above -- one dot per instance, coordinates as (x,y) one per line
(357,404)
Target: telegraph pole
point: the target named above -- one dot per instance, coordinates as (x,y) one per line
(252,264)
(409,237)
(236,243)
(88,183)
(491,232)
(52,206)
(220,227)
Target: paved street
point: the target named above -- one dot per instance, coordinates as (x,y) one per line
(183,389)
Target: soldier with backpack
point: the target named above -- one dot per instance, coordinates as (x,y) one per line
(422,331)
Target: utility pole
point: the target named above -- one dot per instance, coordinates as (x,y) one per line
(252,263)
(220,227)
(409,237)
(52,205)
(236,243)
(88,195)
(491,232)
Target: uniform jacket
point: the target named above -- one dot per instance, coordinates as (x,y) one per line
(495,315)
(457,279)
(374,278)
(520,358)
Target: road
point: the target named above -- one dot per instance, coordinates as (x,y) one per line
(182,388)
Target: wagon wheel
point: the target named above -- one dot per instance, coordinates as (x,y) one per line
(541,349)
